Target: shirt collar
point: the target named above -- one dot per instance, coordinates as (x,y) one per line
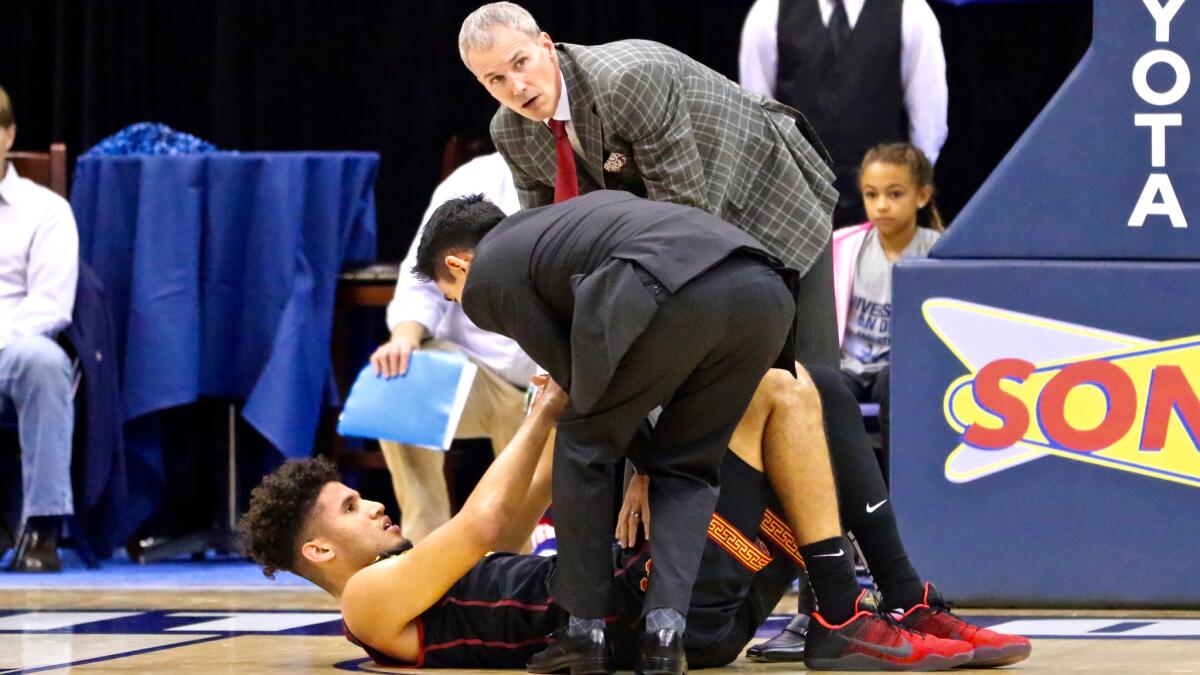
(8,186)
(564,102)
(853,9)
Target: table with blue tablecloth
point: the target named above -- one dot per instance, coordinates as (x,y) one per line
(221,270)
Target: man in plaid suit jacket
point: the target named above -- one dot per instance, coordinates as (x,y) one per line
(647,119)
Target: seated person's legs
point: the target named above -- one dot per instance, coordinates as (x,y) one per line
(881,394)
(420,487)
(871,388)
(35,375)
(857,389)
(494,410)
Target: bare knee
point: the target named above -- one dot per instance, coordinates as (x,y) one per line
(779,388)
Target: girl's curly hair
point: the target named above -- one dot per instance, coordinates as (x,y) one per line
(269,532)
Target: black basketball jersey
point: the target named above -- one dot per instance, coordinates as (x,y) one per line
(499,614)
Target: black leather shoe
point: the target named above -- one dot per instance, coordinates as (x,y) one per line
(662,654)
(586,654)
(37,551)
(787,647)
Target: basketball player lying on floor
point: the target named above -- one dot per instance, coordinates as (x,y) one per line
(447,603)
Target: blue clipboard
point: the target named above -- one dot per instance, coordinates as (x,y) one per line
(421,407)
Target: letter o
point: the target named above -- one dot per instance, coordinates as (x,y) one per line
(1122,406)
(1141,69)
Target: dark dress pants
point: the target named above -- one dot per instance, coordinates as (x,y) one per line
(816,320)
(701,358)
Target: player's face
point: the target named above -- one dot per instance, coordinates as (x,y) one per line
(892,197)
(519,71)
(357,527)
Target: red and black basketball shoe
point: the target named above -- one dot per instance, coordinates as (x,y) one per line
(933,616)
(873,640)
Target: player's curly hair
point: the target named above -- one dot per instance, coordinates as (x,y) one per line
(280,507)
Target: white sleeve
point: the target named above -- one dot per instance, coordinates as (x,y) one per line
(422,301)
(923,71)
(758,57)
(50,279)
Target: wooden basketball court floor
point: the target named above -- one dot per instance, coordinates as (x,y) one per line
(297,631)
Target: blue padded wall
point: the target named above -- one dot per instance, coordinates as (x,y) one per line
(1081,507)
(1051,531)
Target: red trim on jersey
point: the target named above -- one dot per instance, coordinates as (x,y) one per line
(384,659)
(420,642)
(475,642)
(493,604)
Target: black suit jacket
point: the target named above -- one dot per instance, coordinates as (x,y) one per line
(561,279)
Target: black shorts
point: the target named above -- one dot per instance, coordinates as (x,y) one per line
(730,599)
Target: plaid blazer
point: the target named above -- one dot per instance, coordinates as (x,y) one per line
(652,120)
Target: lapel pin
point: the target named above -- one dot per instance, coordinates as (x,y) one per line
(614,162)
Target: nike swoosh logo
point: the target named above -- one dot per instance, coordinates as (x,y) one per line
(839,554)
(901,651)
(872,507)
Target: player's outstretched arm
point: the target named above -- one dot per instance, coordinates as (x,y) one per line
(534,506)
(381,600)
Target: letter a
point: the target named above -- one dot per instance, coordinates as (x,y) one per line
(1156,184)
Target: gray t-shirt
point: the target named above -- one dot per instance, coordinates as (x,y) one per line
(866,346)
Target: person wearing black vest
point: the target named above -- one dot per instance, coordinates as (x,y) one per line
(863,72)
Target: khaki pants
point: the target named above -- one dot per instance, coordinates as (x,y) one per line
(495,409)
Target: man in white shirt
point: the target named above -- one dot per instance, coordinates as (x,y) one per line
(39,264)
(420,317)
(863,72)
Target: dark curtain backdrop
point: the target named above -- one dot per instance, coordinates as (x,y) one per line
(385,75)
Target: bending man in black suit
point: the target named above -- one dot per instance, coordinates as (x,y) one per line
(630,305)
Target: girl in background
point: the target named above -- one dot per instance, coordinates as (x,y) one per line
(896,181)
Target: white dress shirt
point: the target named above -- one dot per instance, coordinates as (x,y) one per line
(39,259)
(425,304)
(922,63)
(563,113)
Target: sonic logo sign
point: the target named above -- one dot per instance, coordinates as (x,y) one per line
(1041,387)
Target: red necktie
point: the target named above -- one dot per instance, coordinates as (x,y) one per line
(566,182)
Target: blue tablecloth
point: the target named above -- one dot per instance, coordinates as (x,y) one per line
(222,269)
